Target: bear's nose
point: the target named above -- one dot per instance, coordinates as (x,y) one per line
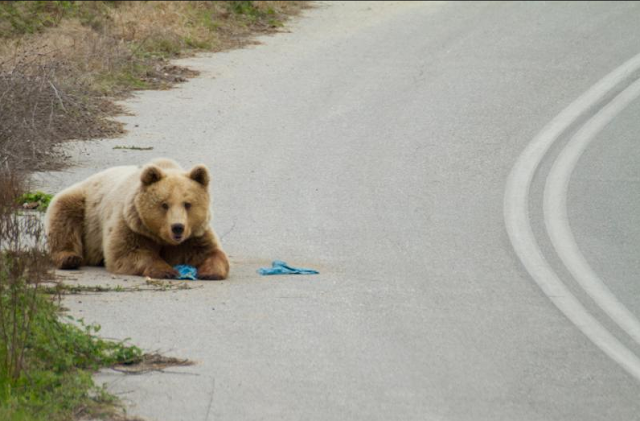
(177,229)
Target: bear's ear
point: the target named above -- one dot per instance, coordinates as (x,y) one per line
(200,174)
(151,174)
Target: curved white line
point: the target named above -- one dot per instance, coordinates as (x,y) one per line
(516,214)
(557,220)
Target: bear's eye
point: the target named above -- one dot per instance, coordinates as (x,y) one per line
(165,206)
(187,205)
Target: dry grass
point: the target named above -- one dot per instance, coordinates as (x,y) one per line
(42,103)
(63,63)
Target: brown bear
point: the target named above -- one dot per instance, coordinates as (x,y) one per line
(137,221)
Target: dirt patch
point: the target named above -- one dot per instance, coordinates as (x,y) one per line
(152,362)
(67,285)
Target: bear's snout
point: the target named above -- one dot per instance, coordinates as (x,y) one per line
(177,229)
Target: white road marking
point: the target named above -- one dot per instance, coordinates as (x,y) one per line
(516,214)
(557,221)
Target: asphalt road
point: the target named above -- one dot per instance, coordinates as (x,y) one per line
(382,144)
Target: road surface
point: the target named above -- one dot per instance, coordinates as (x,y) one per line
(411,152)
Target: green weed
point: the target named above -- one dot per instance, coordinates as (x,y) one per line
(36,200)
(246,8)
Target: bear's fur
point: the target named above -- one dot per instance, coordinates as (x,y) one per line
(137,221)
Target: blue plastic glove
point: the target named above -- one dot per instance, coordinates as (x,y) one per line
(186,272)
(278,267)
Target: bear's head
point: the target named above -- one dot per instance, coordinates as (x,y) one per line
(173,205)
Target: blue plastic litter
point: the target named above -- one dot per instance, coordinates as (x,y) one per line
(278,267)
(186,272)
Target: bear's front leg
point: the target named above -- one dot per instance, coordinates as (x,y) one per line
(215,267)
(129,253)
(158,269)
(141,263)
(204,253)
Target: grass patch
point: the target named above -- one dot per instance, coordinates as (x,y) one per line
(53,381)
(46,358)
(63,62)
(27,17)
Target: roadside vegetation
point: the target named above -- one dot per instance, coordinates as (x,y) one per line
(62,63)
(46,358)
